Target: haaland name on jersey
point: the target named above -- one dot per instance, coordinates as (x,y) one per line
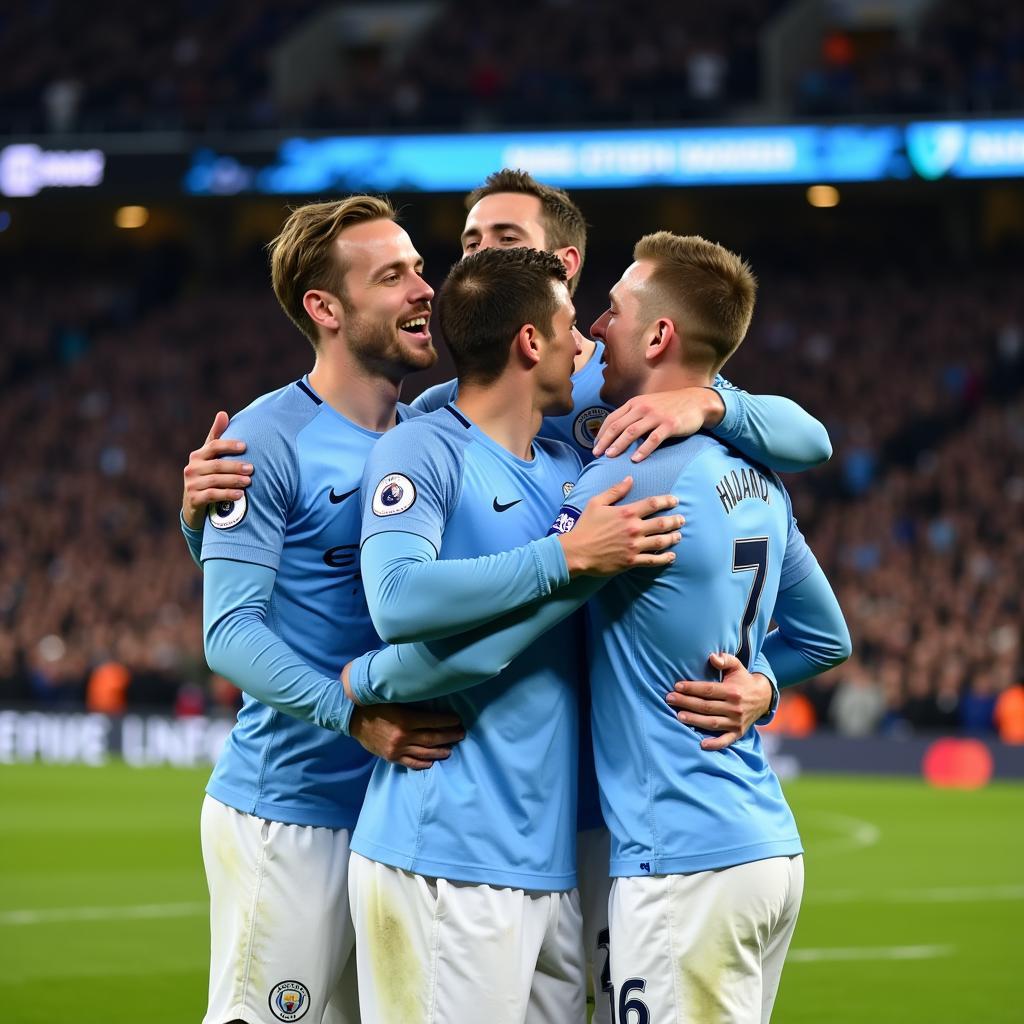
(739,484)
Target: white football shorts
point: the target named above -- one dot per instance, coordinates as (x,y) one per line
(440,952)
(703,948)
(281,935)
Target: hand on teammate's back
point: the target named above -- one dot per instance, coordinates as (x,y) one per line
(660,416)
(729,707)
(408,736)
(610,538)
(210,478)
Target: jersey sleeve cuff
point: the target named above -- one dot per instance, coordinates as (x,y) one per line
(359,681)
(552,568)
(762,665)
(342,719)
(732,422)
(193,538)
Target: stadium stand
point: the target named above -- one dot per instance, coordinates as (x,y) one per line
(311,65)
(917,520)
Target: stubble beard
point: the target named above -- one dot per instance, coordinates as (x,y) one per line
(382,351)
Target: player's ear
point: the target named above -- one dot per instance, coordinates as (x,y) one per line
(528,343)
(323,309)
(571,259)
(659,338)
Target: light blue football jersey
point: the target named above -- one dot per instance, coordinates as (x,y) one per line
(300,517)
(767,427)
(671,806)
(502,809)
(578,428)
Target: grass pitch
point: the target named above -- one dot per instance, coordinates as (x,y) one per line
(911,912)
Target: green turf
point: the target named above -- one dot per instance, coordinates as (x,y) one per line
(890,864)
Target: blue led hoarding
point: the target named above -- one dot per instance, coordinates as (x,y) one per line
(792,154)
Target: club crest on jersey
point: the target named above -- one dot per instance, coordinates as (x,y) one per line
(225,514)
(587,424)
(565,521)
(567,488)
(289,1000)
(395,493)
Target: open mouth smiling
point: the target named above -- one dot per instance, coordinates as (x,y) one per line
(416,326)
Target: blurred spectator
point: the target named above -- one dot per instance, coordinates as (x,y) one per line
(963,56)
(1009,714)
(795,715)
(859,703)
(106,690)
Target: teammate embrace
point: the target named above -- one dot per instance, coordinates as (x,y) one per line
(463,880)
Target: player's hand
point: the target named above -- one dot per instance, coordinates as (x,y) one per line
(208,477)
(405,735)
(659,416)
(729,707)
(609,538)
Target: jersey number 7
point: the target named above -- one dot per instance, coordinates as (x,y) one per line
(750,554)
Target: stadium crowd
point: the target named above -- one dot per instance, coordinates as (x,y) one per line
(917,519)
(217,67)
(964,57)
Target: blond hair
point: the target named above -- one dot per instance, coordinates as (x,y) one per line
(707,288)
(302,256)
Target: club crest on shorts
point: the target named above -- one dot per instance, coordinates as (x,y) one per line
(395,493)
(289,1000)
(225,514)
(587,424)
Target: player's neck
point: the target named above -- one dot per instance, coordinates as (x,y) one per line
(365,398)
(675,377)
(506,414)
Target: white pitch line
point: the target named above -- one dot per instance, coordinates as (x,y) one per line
(856,834)
(64,915)
(951,894)
(817,956)
(155,911)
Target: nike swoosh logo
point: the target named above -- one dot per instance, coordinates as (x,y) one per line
(337,499)
(498,507)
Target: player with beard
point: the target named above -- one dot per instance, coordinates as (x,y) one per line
(281,577)
(284,609)
(511,209)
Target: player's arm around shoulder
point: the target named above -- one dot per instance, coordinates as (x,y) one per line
(214,472)
(252,527)
(771,429)
(768,428)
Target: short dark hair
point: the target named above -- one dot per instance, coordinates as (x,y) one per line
(564,223)
(486,299)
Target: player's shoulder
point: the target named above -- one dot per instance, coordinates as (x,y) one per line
(430,437)
(657,474)
(271,425)
(405,412)
(560,453)
(284,412)
(437,396)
